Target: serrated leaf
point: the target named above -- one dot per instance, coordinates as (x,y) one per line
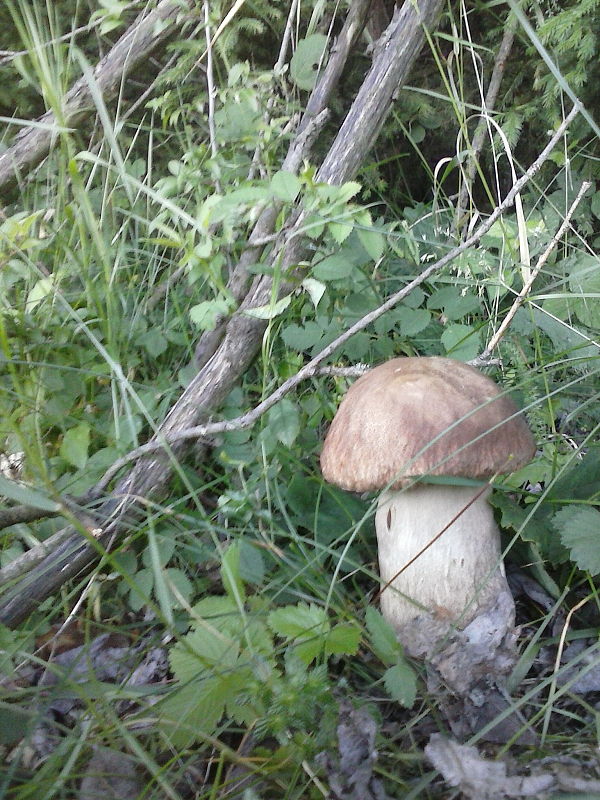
(342,639)
(205,315)
(340,231)
(300,620)
(579,530)
(382,637)
(401,684)
(139,594)
(269,311)
(178,580)
(204,650)
(23,494)
(283,421)
(252,563)
(192,710)
(306,59)
(286,186)
(75,445)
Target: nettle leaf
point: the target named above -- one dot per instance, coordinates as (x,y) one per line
(382,637)
(23,494)
(333,268)
(401,684)
(75,445)
(306,60)
(283,421)
(579,529)
(286,186)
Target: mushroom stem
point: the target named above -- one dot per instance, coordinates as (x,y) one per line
(459,576)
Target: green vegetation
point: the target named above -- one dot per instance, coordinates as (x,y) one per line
(251,576)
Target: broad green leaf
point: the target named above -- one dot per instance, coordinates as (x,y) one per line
(382,637)
(178,580)
(283,421)
(206,314)
(139,594)
(461,341)
(291,622)
(203,651)
(340,230)
(413,320)
(299,337)
(252,563)
(75,445)
(164,548)
(191,711)
(269,311)
(154,342)
(342,639)
(579,530)
(286,186)
(333,268)
(230,573)
(23,494)
(401,684)
(584,282)
(306,60)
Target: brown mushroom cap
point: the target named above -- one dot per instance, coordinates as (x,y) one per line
(384,430)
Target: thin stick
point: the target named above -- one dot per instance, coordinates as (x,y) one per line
(310,369)
(210,85)
(520,298)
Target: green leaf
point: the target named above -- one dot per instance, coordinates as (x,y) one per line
(413,320)
(177,579)
(461,341)
(333,268)
(315,290)
(75,445)
(401,684)
(191,711)
(286,186)
(579,530)
(251,564)
(139,594)
(23,494)
(382,637)
(154,342)
(340,231)
(302,337)
(300,620)
(283,421)
(205,315)
(230,573)
(306,60)
(271,310)
(205,650)
(343,639)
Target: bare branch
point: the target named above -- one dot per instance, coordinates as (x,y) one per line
(34,143)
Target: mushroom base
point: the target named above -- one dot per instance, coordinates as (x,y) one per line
(459,576)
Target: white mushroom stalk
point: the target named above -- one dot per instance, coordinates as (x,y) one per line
(416,417)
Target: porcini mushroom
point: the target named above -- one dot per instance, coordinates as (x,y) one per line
(410,419)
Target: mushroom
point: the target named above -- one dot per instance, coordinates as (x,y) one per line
(400,424)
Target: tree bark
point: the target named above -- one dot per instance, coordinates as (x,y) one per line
(32,145)
(393,59)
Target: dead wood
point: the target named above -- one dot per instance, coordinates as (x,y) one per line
(393,58)
(33,144)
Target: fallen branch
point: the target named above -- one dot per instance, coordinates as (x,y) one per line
(310,369)
(33,144)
